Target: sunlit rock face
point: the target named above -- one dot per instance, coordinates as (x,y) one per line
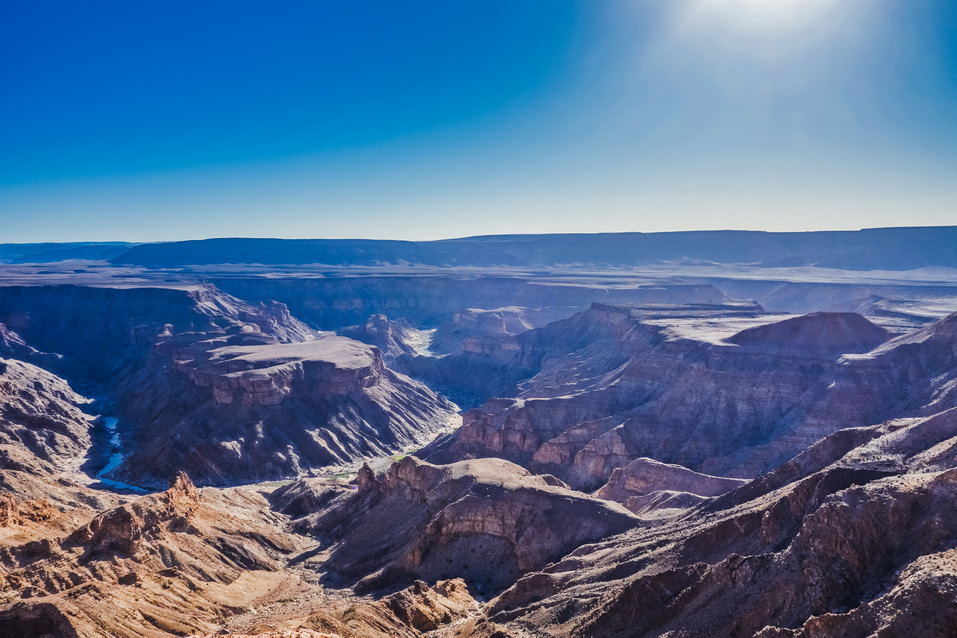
(226,390)
(43,429)
(244,408)
(848,538)
(392,338)
(192,554)
(645,486)
(612,386)
(487,521)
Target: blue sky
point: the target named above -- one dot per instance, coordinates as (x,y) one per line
(421,120)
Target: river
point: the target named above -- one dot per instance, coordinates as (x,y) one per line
(115,459)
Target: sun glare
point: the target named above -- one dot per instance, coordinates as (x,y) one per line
(761,13)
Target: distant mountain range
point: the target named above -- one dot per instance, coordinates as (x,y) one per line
(868,249)
(49,252)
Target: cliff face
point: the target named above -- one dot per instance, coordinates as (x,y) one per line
(102,332)
(612,386)
(42,429)
(646,486)
(241,407)
(850,538)
(227,390)
(469,326)
(175,562)
(13,346)
(331,303)
(486,521)
(392,338)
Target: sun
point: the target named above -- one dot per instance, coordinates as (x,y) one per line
(760,13)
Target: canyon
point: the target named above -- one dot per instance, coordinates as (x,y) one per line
(494,437)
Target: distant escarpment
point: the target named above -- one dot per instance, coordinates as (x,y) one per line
(868,249)
(430,301)
(611,385)
(487,521)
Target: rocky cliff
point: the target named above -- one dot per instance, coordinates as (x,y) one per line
(229,390)
(487,521)
(851,538)
(646,486)
(614,384)
(392,338)
(331,303)
(42,427)
(241,407)
(174,562)
(101,332)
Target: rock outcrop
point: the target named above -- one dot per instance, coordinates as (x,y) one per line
(413,612)
(486,521)
(646,486)
(614,385)
(468,326)
(392,338)
(242,408)
(825,334)
(851,538)
(42,428)
(175,562)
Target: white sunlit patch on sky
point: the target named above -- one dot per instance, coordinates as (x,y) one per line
(779,14)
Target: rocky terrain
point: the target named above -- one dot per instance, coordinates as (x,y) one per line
(486,521)
(203,448)
(42,428)
(392,338)
(243,407)
(226,390)
(430,300)
(614,384)
(850,538)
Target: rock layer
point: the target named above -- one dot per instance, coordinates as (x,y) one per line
(175,562)
(244,408)
(614,385)
(486,521)
(42,428)
(853,527)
